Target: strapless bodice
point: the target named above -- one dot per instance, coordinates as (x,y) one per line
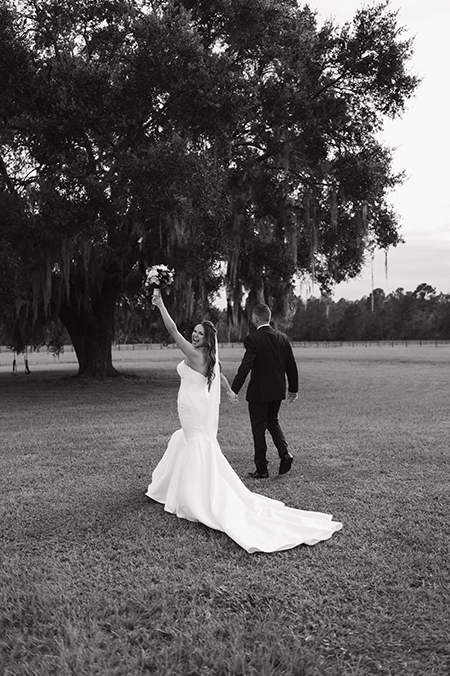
(185,371)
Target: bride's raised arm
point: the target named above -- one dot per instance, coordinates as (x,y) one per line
(196,357)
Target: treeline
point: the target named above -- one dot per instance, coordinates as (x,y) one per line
(412,315)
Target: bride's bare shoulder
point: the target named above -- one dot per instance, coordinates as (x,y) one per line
(197,361)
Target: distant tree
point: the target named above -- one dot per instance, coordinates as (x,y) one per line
(443,317)
(425,292)
(373,315)
(310,321)
(350,326)
(192,133)
(424,320)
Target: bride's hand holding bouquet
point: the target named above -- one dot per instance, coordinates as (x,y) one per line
(157,300)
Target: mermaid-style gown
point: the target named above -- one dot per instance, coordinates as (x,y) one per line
(195,481)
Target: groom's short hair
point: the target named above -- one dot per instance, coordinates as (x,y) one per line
(262,312)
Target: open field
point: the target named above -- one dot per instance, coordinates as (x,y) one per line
(95,579)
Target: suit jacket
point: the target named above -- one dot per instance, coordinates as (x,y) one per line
(269,357)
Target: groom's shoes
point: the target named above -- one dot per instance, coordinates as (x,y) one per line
(257,475)
(286,463)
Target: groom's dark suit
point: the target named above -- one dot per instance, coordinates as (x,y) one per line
(269,358)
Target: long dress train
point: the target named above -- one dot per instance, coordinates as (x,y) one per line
(195,481)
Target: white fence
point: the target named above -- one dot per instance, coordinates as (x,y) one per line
(304,344)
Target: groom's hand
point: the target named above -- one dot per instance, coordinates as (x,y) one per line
(233,397)
(292,396)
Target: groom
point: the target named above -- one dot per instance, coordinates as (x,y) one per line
(269,357)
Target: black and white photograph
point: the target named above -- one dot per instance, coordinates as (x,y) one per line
(224,338)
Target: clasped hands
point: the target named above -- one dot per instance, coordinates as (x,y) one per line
(233,397)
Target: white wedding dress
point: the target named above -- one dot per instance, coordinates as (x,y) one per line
(195,481)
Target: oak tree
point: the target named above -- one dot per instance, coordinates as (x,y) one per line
(210,136)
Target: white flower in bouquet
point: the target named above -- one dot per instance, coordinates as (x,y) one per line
(159,276)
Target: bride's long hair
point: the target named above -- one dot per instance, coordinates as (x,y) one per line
(210,339)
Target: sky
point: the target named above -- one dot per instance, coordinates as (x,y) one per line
(421,139)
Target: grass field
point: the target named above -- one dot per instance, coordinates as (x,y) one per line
(98,580)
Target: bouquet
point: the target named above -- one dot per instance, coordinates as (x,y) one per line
(160,277)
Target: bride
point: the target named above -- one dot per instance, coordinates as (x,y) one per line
(193,478)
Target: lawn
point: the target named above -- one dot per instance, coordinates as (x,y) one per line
(98,580)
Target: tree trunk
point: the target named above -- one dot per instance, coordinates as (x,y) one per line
(92,331)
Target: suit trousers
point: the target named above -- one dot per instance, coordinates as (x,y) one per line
(264,416)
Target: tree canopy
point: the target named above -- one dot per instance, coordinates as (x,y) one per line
(235,142)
